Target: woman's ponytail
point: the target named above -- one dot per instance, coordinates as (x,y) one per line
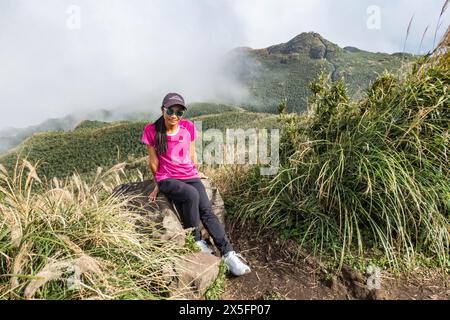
(161,136)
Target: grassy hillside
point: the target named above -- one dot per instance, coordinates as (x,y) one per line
(81,150)
(72,240)
(12,137)
(204,108)
(239,119)
(285,70)
(93,143)
(90,124)
(364,181)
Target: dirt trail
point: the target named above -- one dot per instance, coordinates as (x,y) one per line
(275,275)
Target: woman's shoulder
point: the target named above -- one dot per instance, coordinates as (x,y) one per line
(148,136)
(189,125)
(149,129)
(149,126)
(186,123)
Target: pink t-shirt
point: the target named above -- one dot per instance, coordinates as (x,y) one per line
(176,162)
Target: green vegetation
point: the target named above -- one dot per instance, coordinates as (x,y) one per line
(364,178)
(284,71)
(82,151)
(96,144)
(190,244)
(360,181)
(216,290)
(73,240)
(204,108)
(90,124)
(9,138)
(243,120)
(273,295)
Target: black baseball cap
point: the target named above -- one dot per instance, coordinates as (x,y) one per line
(172,99)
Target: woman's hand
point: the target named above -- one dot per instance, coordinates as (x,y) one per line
(202,175)
(152,196)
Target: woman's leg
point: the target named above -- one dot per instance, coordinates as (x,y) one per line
(209,219)
(186,197)
(194,201)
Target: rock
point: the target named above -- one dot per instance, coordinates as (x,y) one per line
(195,273)
(163,212)
(172,229)
(352,49)
(358,286)
(335,284)
(355,283)
(215,199)
(351,274)
(162,220)
(359,291)
(378,294)
(317,52)
(217,206)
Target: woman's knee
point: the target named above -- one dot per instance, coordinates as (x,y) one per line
(178,189)
(188,193)
(192,194)
(204,203)
(169,186)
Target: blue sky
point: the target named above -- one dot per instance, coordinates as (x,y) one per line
(129,53)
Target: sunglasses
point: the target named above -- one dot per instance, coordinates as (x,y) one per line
(170,112)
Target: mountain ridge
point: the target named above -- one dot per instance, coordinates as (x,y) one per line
(284,71)
(312,38)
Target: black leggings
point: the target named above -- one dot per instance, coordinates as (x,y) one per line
(190,195)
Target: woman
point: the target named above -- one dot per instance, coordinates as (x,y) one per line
(172,159)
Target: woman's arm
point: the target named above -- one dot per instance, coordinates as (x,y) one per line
(193,153)
(153,164)
(194,159)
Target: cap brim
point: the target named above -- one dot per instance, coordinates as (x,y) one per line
(174,103)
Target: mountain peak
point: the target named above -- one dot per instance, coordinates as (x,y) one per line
(307,36)
(311,43)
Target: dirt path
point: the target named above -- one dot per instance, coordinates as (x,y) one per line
(275,275)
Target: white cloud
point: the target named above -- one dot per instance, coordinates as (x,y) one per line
(344,22)
(130,53)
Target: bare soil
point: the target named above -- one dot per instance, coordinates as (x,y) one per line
(281,271)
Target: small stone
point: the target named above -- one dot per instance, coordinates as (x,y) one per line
(196,272)
(378,294)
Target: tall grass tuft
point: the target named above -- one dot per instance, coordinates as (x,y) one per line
(365,176)
(438,24)
(67,239)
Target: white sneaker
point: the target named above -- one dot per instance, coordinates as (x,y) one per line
(236,266)
(204,246)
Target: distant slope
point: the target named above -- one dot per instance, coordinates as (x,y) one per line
(90,124)
(12,137)
(285,70)
(93,144)
(243,120)
(202,108)
(61,153)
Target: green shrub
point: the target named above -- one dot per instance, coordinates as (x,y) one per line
(363,175)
